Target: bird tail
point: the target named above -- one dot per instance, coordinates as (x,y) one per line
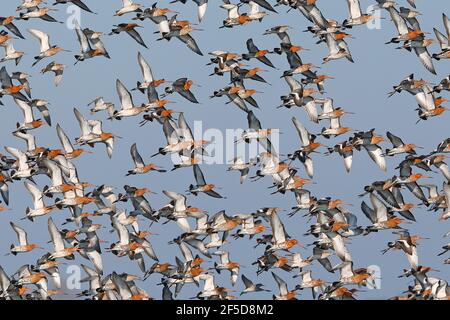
(160,151)
(57,204)
(139,87)
(326,136)
(277,50)
(436,56)
(215,267)
(27,213)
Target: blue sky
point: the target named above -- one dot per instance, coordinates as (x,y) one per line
(360,88)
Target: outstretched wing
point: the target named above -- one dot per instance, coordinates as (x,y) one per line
(137,159)
(198,174)
(126,100)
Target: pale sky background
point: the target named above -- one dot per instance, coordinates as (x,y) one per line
(360,88)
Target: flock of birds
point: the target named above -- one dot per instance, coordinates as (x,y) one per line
(203,237)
